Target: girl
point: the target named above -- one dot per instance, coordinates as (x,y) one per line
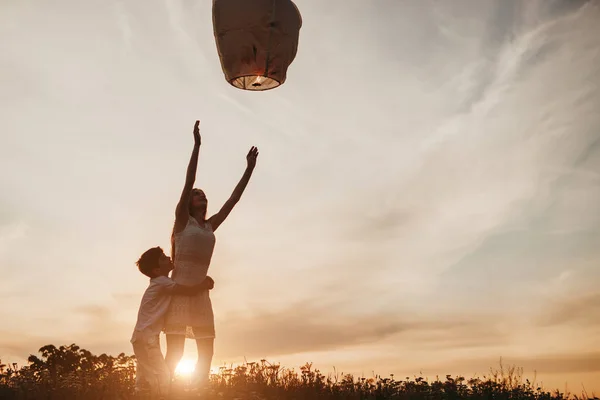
(192,242)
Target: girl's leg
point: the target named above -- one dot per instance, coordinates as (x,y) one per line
(175,345)
(205,354)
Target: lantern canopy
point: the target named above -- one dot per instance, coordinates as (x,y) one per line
(256,40)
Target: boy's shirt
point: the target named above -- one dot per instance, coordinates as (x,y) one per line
(153,308)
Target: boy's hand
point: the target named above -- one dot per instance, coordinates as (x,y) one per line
(208,283)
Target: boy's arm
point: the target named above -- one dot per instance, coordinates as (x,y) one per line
(185,290)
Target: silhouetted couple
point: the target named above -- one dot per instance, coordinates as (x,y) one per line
(180,306)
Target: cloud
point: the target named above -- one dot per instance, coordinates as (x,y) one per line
(100,318)
(124,25)
(297,329)
(11,233)
(16,346)
(313,326)
(426,171)
(542,364)
(98,328)
(579,310)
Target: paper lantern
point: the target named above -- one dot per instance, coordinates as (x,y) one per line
(256,40)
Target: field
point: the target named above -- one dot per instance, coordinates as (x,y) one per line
(70,372)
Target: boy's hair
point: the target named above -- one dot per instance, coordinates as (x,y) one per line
(149,260)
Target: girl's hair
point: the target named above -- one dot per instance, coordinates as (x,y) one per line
(190,211)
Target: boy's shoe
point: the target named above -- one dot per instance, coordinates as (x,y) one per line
(143,391)
(177,387)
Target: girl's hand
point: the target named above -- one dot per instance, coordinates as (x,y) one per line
(197,139)
(251,157)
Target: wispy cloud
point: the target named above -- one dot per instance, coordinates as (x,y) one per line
(124,25)
(11,233)
(554,364)
(428,176)
(579,310)
(313,325)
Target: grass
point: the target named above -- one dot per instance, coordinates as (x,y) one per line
(69,372)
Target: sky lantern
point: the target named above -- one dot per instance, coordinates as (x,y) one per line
(256,40)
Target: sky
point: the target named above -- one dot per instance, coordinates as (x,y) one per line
(426,199)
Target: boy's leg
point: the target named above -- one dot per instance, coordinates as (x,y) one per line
(142,374)
(158,366)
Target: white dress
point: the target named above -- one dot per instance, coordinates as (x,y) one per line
(192,316)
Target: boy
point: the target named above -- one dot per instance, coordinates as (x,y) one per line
(151,365)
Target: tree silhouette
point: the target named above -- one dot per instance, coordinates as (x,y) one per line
(69,372)
(73,373)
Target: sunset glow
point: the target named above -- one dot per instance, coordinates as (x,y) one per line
(437,217)
(185,367)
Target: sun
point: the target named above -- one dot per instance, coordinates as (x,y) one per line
(185,368)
